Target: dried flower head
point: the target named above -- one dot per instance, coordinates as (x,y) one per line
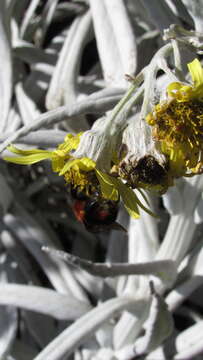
(142,164)
(178,124)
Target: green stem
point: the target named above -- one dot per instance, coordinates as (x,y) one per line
(127,96)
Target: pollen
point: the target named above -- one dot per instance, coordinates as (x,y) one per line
(85,181)
(178,122)
(178,128)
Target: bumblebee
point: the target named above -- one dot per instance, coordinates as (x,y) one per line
(96,213)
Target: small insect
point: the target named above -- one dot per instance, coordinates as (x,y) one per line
(96,213)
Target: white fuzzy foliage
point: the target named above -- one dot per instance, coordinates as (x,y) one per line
(114,295)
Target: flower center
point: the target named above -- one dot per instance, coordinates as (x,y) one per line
(145,173)
(178,123)
(84,180)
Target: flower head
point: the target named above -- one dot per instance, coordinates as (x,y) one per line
(81,173)
(178,124)
(142,165)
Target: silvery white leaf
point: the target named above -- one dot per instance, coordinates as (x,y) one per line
(14,29)
(27,107)
(128,327)
(78,355)
(19,9)
(158,354)
(8,329)
(91,344)
(158,326)
(114,285)
(117,253)
(47,16)
(87,106)
(83,328)
(115,40)
(179,9)
(33,237)
(46,71)
(142,246)
(14,121)
(37,83)
(195,10)
(165,269)
(192,268)
(195,265)
(19,254)
(173,200)
(179,234)
(44,138)
(179,294)
(161,14)
(30,242)
(42,300)
(198,213)
(6,195)
(180,231)
(5,66)
(87,354)
(189,342)
(63,82)
(140,18)
(143,238)
(104,354)
(104,335)
(28,16)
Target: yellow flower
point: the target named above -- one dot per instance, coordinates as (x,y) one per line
(58,157)
(81,172)
(178,124)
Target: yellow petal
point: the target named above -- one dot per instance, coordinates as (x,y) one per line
(71,142)
(179,91)
(107,188)
(58,162)
(84,164)
(173,88)
(15,150)
(128,196)
(196,72)
(130,201)
(67,166)
(29,159)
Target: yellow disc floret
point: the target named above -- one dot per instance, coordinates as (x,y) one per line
(178,124)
